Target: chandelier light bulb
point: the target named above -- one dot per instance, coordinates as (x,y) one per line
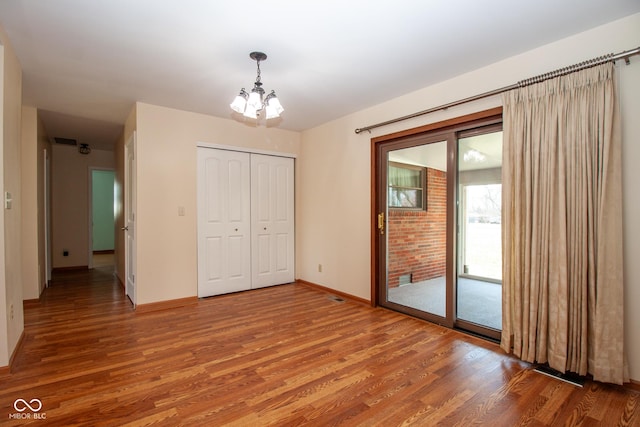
(273,107)
(255,100)
(250,112)
(274,103)
(240,102)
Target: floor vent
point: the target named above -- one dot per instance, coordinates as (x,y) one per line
(335,298)
(568,377)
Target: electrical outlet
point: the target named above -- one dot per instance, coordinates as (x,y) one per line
(319,268)
(65,252)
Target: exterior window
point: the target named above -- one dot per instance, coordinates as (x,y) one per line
(407,186)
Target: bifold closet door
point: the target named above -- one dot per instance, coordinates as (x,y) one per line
(224,222)
(272,220)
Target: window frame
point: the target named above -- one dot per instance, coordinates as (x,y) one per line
(423,179)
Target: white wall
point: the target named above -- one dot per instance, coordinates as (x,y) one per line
(166,179)
(334,173)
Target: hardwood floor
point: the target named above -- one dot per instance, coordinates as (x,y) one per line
(286,355)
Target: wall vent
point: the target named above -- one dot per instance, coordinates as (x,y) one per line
(404,279)
(65,141)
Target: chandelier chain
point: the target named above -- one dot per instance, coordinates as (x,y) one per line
(258,76)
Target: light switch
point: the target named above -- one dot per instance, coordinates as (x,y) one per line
(180,210)
(7,200)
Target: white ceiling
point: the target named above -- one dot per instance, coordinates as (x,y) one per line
(434,155)
(94,59)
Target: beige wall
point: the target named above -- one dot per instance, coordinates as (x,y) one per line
(34,144)
(166,162)
(630,109)
(70,202)
(11,313)
(334,226)
(29,176)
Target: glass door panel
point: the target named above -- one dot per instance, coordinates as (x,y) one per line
(416,236)
(438,225)
(479,248)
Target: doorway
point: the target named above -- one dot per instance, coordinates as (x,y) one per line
(102,217)
(437,244)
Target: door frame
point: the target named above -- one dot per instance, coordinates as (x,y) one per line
(47,216)
(378,173)
(91,208)
(130,205)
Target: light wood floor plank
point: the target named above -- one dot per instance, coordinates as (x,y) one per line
(280,356)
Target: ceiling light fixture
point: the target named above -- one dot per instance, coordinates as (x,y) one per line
(251,104)
(474,156)
(84,149)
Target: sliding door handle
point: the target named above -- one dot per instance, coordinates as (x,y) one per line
(381,222)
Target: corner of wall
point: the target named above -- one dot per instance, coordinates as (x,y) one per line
(11,310)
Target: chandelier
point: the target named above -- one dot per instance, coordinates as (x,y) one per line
(252,104)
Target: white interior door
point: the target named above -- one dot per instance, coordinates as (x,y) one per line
(272,212)
(224,246)
(130,219)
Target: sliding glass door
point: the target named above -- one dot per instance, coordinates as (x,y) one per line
(439,227)
(417,228)
(479,232)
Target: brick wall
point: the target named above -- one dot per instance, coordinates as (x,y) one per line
(417,239)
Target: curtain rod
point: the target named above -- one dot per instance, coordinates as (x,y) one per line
(537,79)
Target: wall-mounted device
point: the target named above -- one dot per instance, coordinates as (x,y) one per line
(7,200)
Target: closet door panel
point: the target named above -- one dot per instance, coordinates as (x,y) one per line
(264,258)
(236,190)
(272,198)
(284,191)
(214,255)
(284,253)
(224,222)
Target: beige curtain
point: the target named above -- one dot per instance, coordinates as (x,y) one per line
(562,225)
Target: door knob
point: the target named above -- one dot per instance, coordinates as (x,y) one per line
(125,228)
